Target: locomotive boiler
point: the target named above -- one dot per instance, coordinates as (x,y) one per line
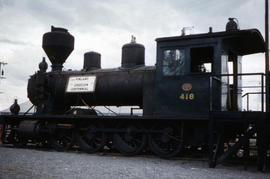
(55,92)
(189,99)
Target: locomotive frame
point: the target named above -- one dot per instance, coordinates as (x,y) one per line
(183,105)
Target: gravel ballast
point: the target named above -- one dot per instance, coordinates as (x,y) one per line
(29,163)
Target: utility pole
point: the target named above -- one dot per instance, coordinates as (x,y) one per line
(2,71)
(267,57)
(266,38)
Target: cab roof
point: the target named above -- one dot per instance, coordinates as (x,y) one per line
(241,42)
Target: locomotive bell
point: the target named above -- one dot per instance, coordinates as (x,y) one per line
(132,54)
(58,44)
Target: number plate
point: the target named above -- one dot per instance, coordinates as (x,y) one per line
(81,84)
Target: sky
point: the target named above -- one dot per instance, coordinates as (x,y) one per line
(105,26)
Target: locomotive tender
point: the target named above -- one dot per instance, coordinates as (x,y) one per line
(186,98)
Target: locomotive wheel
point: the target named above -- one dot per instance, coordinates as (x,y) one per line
(109,145)
(62,139)
(165,140)
(44,143)
(92,139)
(43,140)
(130,140)
(16,139)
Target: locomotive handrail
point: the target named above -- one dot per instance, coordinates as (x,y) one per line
(241,74)
(252,86)
(247,95)
(262,86)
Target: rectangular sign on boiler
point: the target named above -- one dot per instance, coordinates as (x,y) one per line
(79,84)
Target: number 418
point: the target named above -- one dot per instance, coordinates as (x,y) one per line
(187,96)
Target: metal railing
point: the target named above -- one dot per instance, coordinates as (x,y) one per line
(247,94)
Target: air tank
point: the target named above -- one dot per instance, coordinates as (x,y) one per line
(132,54)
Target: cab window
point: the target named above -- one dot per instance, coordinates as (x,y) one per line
(173,62)
(201,59)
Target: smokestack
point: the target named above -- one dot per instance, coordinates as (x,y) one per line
(58,44)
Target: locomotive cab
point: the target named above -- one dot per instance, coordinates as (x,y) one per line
(192,71)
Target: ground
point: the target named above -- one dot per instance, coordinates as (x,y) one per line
(33,163)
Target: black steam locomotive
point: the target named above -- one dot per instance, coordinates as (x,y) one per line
(187,98)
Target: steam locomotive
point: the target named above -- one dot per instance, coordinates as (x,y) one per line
(187,98)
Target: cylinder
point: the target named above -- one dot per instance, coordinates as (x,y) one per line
(91,61)
(28,129)
(132,55)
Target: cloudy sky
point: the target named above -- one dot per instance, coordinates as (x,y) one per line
(104,26)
